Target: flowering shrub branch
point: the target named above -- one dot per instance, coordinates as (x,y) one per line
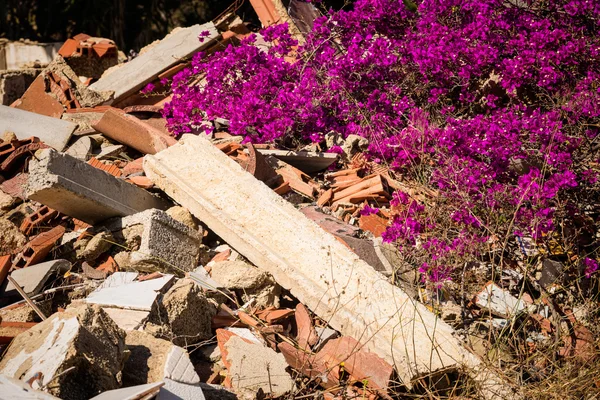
(494,104)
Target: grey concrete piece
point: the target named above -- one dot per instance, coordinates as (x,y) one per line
(146,67)
(318,270)
(52,131)
(81,149)
(254,367)
(138,392)
(128,320)
(33,278)
(132,296)
(165,242)
(174,390)
(81,191)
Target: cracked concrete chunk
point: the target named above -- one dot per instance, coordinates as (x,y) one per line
(96,246)
(188,312)
(83,337)
(253,367)
(159,242)
(33,278)
(153,360)
(239,275)
(182,215)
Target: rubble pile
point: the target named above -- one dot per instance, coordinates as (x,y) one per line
(137,265)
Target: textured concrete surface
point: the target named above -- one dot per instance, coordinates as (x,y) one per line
(52,131)
(79,190)
(320,271)
(144,68)
(159,242)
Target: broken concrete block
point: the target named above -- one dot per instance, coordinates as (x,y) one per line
(84,338)
(109,152)
(318,270)
(128,320)
(146,67)
(188,313)
(131,295)
(153,360)
(79,190)
(81,149)
(253,282)
(158,241)
(253,367)
(33,278)
(52,131)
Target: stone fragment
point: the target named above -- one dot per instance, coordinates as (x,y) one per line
(7,202)
(79,190)
(158,241)
(11,238)
(182,215)
(110,152)
(81,149)
(146,67)
(239,275)
(33,278)
(318,270)
(99,244)
(153,360)
(254,367)
(187,312)
(55,132)
(84,338)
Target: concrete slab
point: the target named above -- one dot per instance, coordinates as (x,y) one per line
(173,390)
(52,131)
(318,270)
(79,190)
(131,393)
(143,69)
(33,278)
(132,296)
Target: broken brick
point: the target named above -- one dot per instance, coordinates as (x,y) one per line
(111,169)
(38,248)
(39,217)
(307,336)
(373,223)
(19,155)
(133,132)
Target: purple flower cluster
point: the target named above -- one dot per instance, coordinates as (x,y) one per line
(494,105)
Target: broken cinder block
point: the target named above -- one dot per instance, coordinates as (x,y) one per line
(159,241)
(79,190)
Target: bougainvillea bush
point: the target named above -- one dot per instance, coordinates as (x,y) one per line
(493,105)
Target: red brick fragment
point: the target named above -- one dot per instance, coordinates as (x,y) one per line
(149,277)
(222,256)
(38,248)
(133,132)
(111,169)
(5,267)
(141,181)
(278,315)
(15,186)
(307,336)
(37,100)
(134,167)
(18,156)
(34,220)
(373,223)
(108,264)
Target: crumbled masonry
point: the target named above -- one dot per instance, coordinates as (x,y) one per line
(397,199)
